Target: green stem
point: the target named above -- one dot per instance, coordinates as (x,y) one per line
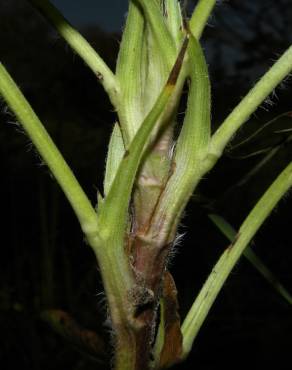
(250,103)
(49,152)
(81,47)
(230,257)
(112,221)
(200,17)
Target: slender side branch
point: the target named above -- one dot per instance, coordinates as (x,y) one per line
(250,103)
(200,17)
(49,152)
(81,47)
(230,257)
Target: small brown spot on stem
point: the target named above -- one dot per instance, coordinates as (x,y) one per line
(99,76)
(234,241)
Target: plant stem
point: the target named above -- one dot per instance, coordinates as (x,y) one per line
(49,152)
(81,47)
(113,213)
(200,17)
(250,103)
(230,257)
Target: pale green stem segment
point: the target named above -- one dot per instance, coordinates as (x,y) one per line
(114,210)
(250,255)
(49,152)
(129,73)
(81,47)
(192,144)
(160,31)
(200,17)
(230,257)
(249,104)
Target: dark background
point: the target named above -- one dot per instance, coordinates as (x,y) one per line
(45,263)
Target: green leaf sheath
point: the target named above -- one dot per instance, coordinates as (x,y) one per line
(49,152)
(129,73)
(248,105)
(160,31)
(191,148)
(113,215)
(193,141)
(81,47)
(230,257)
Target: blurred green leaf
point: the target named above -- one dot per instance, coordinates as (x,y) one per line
(250,255)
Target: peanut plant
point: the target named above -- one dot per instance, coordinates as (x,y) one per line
(151,172)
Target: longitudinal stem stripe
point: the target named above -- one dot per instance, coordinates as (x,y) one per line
(81,47)
(251,102)
(48,151)
(231,255)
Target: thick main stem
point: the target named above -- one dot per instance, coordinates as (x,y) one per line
(132,350)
